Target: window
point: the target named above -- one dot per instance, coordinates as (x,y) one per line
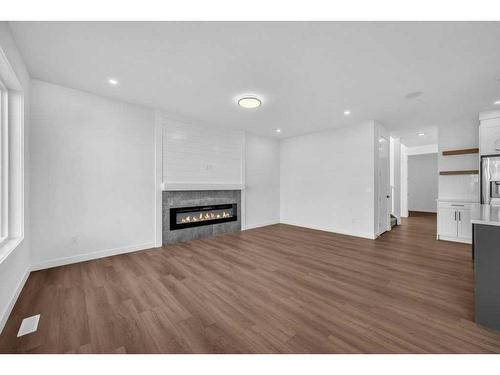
(11,158)
(4,164)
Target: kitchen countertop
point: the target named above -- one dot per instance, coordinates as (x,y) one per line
(456,200)
(486,214)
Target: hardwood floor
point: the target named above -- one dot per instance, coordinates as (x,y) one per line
(277,289)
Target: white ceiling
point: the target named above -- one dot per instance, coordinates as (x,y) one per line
(411,137)
(307,73)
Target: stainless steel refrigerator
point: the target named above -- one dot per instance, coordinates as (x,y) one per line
(490,179)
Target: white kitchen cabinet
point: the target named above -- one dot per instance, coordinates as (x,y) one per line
(447,222)
(489,136)
(464,224)
(454,221)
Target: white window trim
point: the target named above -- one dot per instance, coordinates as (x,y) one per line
(4,164)
(12,159)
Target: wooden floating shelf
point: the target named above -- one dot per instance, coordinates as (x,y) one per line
(461,152)
(455,173)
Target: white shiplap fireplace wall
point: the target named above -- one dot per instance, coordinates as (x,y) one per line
(199,157)
(196,154)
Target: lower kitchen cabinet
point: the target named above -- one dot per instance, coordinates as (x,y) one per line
(453,222)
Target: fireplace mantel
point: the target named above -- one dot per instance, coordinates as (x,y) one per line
(196,187)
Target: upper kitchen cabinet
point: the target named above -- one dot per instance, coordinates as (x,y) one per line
(489,133)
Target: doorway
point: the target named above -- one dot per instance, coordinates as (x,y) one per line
(422,183)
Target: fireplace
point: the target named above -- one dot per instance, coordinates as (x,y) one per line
(187,217)
(220,212)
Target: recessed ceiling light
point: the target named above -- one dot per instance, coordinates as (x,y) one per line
(278,130)
(347,112)
(497,102)
(112,81)
(421,134)
(413,95)
(249,102)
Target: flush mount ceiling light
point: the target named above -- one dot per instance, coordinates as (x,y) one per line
(421,134)
(112,81)
(413,95)
(347,112)
(249,102)
(278,130)
(497,102)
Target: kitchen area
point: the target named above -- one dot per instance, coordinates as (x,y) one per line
(469,208)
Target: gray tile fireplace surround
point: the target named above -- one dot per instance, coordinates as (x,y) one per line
(173,199)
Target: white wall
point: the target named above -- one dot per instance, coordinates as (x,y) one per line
(14,269)
(327,180)
(422,182)
(262,181)
(196,154)
(424,149)
(459,136)
(93,176)
(405,153)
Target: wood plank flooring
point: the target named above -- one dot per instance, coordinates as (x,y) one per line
(277,289)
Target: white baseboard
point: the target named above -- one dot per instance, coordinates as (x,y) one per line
(253,226)
(333,230)
(89,256)
(454,239)
(6,313)
(128,249)
(61,262)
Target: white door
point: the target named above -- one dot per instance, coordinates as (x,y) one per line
(384,186)
(464,224)
(448,222)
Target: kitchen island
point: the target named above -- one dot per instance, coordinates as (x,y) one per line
(485,221)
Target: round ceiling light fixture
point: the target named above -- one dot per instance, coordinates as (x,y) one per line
(497,102)
(249,102)
(347,112)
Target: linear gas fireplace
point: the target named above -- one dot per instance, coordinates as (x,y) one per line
(186,217)
(200,214)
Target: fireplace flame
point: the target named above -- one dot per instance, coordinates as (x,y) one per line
(205,216)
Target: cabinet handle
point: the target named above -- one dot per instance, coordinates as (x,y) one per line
(455,215)
(459,216)
(458,205)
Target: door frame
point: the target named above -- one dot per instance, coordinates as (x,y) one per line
(383,189)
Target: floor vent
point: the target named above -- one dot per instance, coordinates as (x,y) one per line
(28,325)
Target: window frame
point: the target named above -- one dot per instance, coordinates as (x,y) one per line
(11,156)
(4,163)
